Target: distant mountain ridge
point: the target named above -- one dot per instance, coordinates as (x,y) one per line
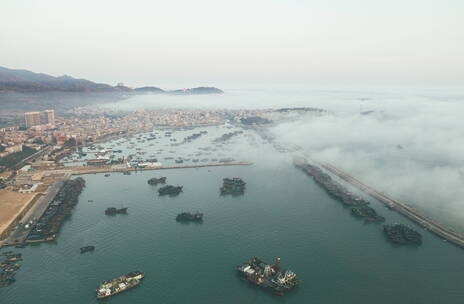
(26,81)
(23,81)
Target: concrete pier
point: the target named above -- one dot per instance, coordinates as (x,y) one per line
(78,170)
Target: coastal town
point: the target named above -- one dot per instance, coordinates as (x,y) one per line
(84,126)
(252,152)
(33,167)
(44,161)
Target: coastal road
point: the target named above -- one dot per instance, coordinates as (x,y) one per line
(431,225)
(31,157)
(20,234)
(79,170)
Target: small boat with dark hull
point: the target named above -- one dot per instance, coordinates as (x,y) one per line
(233,186)
(402,235)
(13,258)
(189,217)
(170,190)
(114,211)
(120,284)
(8,267)
(272,278)
(6,280)
(87,249)
(155,181)
(368,214)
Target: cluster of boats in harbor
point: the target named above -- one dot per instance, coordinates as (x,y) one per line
(332,187)
(397,233)
(9,267)
(190,138)
(59,209)
(227,136)
(402,235)
(233,186)
(105,154)
(165,190)
(174,191)
(155,181)
(367,213)
(114,211)
(270,277)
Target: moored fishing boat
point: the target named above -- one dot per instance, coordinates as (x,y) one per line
(269,277)
(119,284)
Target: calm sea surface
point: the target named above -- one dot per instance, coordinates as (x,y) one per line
(338,258)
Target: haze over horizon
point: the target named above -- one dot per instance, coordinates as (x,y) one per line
(219,43)
(298,151)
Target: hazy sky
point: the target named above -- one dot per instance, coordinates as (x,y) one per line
(213,42)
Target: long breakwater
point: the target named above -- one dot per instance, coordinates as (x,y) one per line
(398,206)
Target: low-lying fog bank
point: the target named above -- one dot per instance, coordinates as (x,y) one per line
(409,147)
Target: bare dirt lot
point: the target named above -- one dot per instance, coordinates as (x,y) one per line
(11,204)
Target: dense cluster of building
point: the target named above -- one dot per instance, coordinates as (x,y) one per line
(54,138)
(41,129)
(13,139)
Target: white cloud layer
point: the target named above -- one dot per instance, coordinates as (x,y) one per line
(411,148)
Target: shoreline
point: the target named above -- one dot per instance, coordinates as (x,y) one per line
(105,169)
(101,169)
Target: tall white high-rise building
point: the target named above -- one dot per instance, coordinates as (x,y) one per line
(32,119)
(46,117)
(50,117)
